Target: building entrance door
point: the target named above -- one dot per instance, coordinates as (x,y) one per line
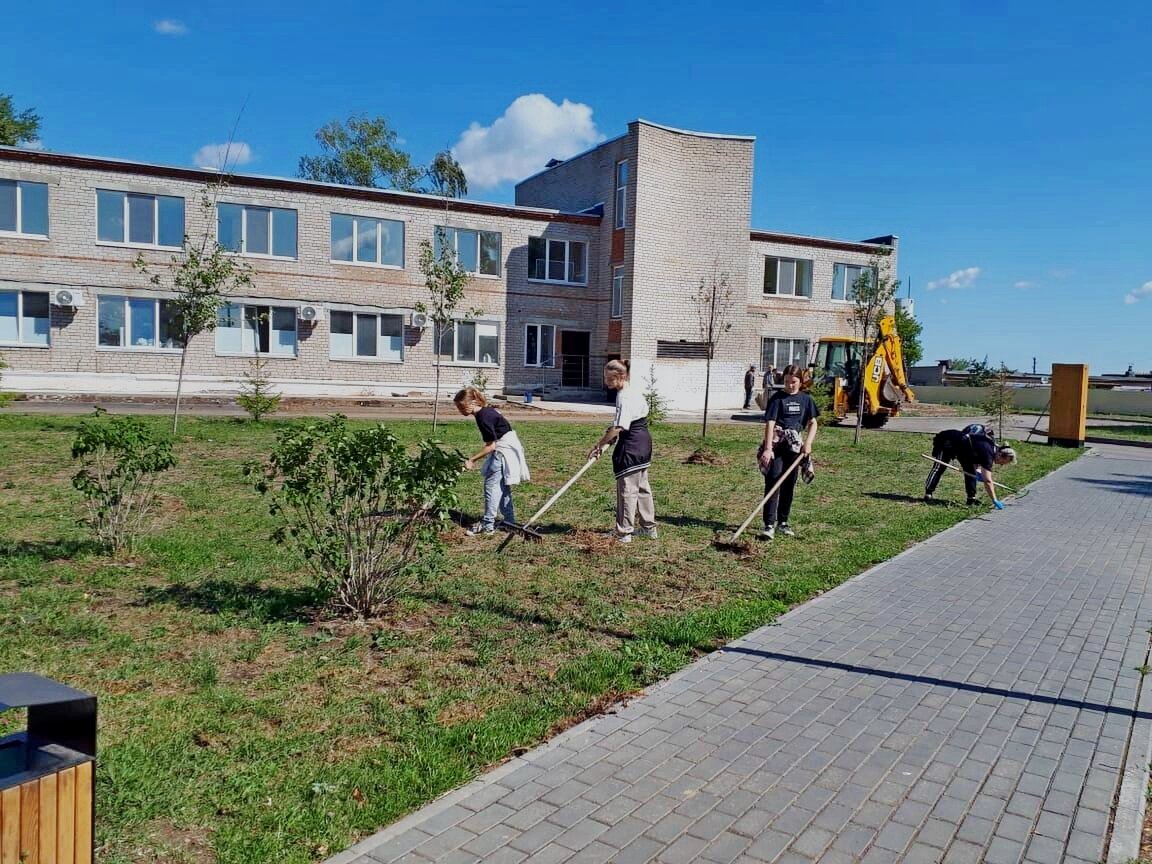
(574,356)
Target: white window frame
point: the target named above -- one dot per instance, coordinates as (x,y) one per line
(378,263)
(620,217)
(364,358)
(548,241)
(617,306)
(793,294)
(767,361)
(20,232)
(20,341)
(155,220)
(847,285)
(540,340)
(243,250)
(454,354)
(127,332)
(476,274)
(256,352)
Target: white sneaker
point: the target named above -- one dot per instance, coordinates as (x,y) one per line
(786,529)
(623,538)
(480,529)
(767,534)
(651,533)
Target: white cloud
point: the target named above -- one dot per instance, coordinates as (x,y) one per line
(1023,284)
(221,156)
(170,27)
(532,130)
(34,144)
(1144,290)
(965,278)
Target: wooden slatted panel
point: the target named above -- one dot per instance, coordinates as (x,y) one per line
(84,813)
(48,820)
(10,826)
(30,822)
(65,816)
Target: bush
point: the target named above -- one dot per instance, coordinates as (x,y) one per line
(120,458)
(257,395)
(821,390)
(657,404)
(364,513)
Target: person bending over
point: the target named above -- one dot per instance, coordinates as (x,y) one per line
(975,448)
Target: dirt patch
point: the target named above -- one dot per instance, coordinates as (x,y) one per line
(705,456)
(172,845)
(595,542)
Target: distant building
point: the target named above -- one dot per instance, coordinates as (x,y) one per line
(598,258)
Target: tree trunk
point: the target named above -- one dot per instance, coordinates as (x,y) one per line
(436,400)
(860,391)
(707,387)
(179,385)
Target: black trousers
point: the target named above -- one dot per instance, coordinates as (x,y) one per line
(779,506)
(747,396)
(944,448)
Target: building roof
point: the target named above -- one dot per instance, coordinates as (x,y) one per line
(315,187)
(876,244)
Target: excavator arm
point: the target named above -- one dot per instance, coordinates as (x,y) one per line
(890,347)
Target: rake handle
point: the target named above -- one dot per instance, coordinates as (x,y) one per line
(551,501)
(764,500)
(965,473)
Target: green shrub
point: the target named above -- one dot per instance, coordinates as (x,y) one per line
(657,404)
(364,513)
(120,458)
(257,395)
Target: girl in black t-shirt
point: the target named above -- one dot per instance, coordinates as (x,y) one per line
(494,429)
(789,430)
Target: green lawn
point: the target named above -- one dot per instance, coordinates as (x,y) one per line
(1127,432)
(240,725)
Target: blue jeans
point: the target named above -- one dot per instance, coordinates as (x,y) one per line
(497,493)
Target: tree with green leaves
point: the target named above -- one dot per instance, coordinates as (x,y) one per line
(202,274)
(1001,399)
(365,151)
(714,304)
(17,129)
(446,280)
(258,396)
(872,296)
(909,330)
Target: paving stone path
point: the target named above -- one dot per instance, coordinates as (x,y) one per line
(973,700)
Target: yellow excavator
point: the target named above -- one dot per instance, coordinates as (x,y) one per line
(885,384)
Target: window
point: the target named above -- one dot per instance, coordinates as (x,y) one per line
(558,260)
(24,318)
(540,345)
(617,292)
(681,350)
(367,241)
(366,336)
(844,277)
(781,352)
(24,208)
(251,230)
(138,322)
(243,328)
(471,342)
(621,194)
(788,277)
(477,251)
(141,220)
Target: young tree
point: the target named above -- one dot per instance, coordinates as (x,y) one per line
(909,330)
(872,295)
(714,307)
(657,404)
(202,274)
(446,280)
(257,395)
(17,129)
(1001,398)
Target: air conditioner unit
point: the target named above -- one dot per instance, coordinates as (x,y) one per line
(420,319)
(309,313)
(67,297)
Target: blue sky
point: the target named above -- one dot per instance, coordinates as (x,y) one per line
(1009,145)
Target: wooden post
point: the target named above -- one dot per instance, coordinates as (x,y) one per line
(1066,422)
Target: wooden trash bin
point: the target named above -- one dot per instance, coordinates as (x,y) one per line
(46,773)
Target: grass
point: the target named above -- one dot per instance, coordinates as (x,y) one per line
(239,725)
(1133,432)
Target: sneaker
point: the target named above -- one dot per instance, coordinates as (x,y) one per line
(650,533)
(480,529)
(972,502)
(623,538)
(927,499)
(767,534)
(786,529)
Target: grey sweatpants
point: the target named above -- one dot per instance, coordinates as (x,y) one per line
(634,494)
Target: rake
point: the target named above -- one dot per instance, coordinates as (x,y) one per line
(1015,492)
(764,500)
(525,530)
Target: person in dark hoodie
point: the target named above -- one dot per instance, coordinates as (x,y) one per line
(631,456)
(975,448)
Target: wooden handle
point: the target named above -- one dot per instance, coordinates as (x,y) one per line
(764,500)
